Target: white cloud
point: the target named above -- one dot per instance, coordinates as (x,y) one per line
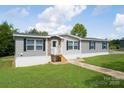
(100,9)
(119,22)
(24,12)
(17,12)
(54,18)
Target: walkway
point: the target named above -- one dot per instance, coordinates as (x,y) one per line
(113,73)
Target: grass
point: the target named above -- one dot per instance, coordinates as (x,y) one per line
(112,61)
(52,76)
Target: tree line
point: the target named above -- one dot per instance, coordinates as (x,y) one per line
(7,44)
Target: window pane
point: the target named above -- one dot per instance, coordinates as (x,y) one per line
(30,41)
(38,47)
(39,42)
(30,47)
(70,45)
(91,45)
(54,43)
(75,47)
(75,44)
(104,45)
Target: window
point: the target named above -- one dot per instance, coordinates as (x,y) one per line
(70,45)
(54,43)
(39,44)
(91,45)
(104,45)
(76,45)
(30,44)
(34,44)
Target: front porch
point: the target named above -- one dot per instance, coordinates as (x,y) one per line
(58,59)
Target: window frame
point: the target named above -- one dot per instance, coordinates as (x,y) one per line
(73,45)
(41,45)
(54,43)
(104,45)
(35,45)
(92,45)
(29,44)
(70,45)
(76,45)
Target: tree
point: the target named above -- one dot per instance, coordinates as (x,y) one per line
(79,30)
(36,32)
(6,39)
(114,44)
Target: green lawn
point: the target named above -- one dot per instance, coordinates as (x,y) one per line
(62,75)
(112,61)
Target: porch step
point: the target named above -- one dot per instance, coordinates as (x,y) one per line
(58,63)
(58,58)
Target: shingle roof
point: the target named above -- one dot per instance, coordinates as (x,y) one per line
(60,36)
(93,39)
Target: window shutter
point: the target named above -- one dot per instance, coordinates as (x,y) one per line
(102,45)
(78,45)
(24,44)
(94,45)
(44,44)
(89,44)
(67,44)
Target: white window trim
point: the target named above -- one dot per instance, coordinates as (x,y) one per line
(56,43)
(30,44)
(34,45)
(73,44)
(38,44)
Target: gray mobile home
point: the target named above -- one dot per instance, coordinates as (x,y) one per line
(34,49)
(122,44)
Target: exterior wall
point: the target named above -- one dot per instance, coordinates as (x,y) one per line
(84,49)
(63,46)
(34,57)
(83,55)
(49,47)
(121,44)
(98,47)
(29,61)
(19,49)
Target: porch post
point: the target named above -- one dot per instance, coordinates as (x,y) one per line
(46,45)
(80,46)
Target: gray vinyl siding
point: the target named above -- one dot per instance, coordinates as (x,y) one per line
(19,49)
(84,46)
(64,47)
(98,47)
(122,44)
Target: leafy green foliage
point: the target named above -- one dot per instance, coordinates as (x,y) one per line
(114,44)
(6,39)
(79,30)
(36,32)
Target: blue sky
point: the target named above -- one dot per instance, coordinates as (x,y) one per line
(100,21)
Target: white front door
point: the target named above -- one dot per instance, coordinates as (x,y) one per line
(54,47)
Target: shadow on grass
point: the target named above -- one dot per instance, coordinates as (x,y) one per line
(104,82)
